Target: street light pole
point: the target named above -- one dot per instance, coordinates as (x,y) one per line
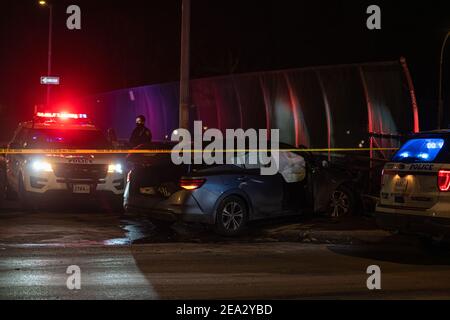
(45,3)
(49,61)
(185,64)
(440,98)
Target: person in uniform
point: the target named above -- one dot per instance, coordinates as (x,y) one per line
(141,134)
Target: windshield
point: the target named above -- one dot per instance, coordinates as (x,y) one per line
(67,139)
(419,150)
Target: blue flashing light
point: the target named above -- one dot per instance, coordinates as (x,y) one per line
(404,155)
(420,149)
(435,145)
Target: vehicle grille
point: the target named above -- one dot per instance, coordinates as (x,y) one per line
(80,171)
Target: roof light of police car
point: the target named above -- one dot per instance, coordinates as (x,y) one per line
(423,155)
(115,168)
(435,145)
(404,155)
(62,115)
(41,166)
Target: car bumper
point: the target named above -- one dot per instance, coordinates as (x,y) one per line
(49,183)
(412,223)
(179,207)
(63,195)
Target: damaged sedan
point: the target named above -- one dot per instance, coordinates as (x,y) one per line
(228,197)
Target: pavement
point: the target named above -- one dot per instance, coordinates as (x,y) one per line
(90,226)
(126,257)
(224,271)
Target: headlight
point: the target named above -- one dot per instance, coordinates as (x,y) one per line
(41,166)
(115,168)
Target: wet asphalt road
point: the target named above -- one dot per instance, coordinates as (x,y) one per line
(126,258)
(223,271)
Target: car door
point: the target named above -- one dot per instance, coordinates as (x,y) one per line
(264,191)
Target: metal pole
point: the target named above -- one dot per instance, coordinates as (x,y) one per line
(49,62)
(440,98)
(185,64)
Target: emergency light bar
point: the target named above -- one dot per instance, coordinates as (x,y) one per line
(62,115)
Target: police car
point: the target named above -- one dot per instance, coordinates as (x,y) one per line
(415,188)
(54,176)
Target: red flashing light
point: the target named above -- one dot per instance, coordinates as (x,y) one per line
(444,180)
(61,115)
(191,184)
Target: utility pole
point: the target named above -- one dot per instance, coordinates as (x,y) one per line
(440,98)
(185,64)
(45,3)
(49,61)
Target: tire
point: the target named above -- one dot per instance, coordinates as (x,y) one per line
(431,243)
(10,194)
(3,188)
(162,224)
(25,200)
(231,217)
(342,203)
(114,205)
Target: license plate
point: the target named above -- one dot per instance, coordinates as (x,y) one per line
(147,190)
(401,185)
(81,188)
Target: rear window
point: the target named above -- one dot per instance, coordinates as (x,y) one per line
(420,150)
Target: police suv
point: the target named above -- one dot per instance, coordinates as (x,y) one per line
(51,175)
(415,187)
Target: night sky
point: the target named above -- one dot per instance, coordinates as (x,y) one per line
(133,43)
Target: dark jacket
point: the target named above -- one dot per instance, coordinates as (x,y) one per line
(140,135)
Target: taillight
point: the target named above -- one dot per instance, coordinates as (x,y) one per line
(444,180)
(191,184)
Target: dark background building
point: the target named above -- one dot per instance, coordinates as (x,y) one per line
(133,43)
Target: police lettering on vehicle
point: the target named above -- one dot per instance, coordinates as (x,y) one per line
(421,167)
(81,161)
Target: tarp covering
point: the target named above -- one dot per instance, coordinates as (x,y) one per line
(336,106)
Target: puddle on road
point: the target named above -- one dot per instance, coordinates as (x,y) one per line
(139,230)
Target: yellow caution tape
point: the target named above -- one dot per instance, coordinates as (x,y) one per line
(165,151)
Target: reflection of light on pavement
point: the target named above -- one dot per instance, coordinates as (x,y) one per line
(133,231)
(136,231)
(117,242)
(106,273)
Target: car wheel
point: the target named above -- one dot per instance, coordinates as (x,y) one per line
(24,198)
(342,203)
(231,217)
(112,204)
(10,194)
(162,224)
(433,243)
(3,188)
